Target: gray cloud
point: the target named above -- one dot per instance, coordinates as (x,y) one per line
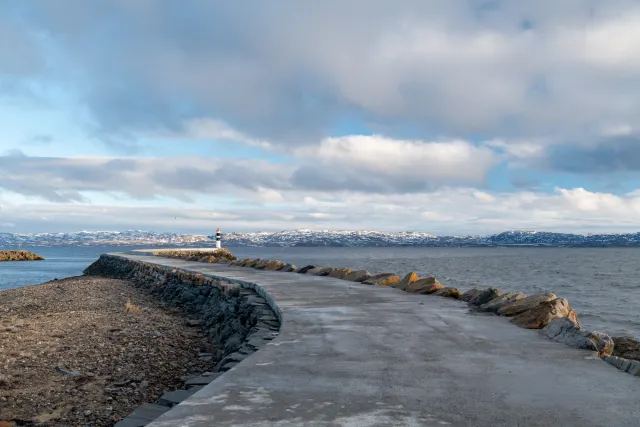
(286,71)
(607,155)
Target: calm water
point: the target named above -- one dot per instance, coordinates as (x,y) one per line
(602,285)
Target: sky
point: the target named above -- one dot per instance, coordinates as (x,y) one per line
(447,117)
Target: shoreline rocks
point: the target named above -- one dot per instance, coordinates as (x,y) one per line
(570,333)
(19,255)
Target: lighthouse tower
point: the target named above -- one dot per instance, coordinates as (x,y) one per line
(218,243)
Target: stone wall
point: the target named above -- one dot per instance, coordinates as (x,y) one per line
(238,317)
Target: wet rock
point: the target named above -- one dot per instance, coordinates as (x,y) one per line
(470,294)
(274,265)
(339,273)
(383,279)
(542,314)
(526,303)
(357,276)
(566,331)
(408,279)
(425,286)
(626,365)
(485,296)
(448,293)
(306,268)
(627,347)
(496,303)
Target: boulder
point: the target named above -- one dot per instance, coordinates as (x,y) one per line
(566,331)
(339,273)
(496,303)
(627,347)
(485,296)
(525,304)
(315,270)
(470,294)
(383,279)
(424,286)
(542,314)
(448,293)
(253,263)
(306,268)
(357,276)
(325,271)
(406,280)
(626,365)
(274,265)
(289,268)
(262,264)
(245,262)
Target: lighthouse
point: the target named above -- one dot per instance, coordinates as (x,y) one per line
(218,243)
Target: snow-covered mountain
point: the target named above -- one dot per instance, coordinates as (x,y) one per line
(318,238)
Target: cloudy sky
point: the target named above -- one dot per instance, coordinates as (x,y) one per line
(448,117)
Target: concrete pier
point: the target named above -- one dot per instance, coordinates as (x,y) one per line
(352,355)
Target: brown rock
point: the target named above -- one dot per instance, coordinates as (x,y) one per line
(525,304)
(542,314)
(383,279)
(626,347)
(357,276)
(339,273)
(246,262)
(448,293)
(253,263)
(262,264)
(274,265)
(289,268)
(407,280)
(496,303)
(470,294)
(424,286)
(314,271)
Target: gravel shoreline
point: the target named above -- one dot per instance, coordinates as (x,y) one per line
(81,326)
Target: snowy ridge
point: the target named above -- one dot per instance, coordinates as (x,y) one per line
(331,238)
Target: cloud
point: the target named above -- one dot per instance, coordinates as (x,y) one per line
(287,72)
(606,155)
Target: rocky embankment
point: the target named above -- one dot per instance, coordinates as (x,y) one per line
(19,256)
(210,256)
(236,319)
(546,311)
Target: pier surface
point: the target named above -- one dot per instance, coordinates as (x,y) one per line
(355,355)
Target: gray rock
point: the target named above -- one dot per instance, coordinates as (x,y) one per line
(172,398)
(142,415)
(289,268)
(324,272)
(470,294)
(315,270)
(339,273)
(357,276)
(525,304)
(567,332)
(194,322)
(504,299)
(306,268)
(485,296)
(202,379)
(626,365)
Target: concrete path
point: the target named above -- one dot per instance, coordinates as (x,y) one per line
(355,355)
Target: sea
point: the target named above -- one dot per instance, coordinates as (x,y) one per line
(601,284)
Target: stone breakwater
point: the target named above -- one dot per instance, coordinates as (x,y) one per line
(546,312)
(19,256)
(237,319)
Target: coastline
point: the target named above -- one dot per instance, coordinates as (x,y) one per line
(80,325)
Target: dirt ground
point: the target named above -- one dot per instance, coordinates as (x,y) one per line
(71,354)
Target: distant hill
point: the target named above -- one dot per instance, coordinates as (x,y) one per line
(319,238)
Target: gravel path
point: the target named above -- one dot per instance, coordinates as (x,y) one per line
(121,357)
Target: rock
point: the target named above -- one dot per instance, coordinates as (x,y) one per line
(306,268)
(357,276)
(626,365)
(339,273)
(194,322)
(566,331)
(289,268)
(172,398)
(262,264)
(202,379)
(424,286)
(324,271)
(315,270)
(274,265)
(383,279)
(70,373)
(253,263)
(246,262)
(496,303)
(485,296)
(408,279)
(542,314)
(627,347)
(448,293)
(526,303)
(470,294)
